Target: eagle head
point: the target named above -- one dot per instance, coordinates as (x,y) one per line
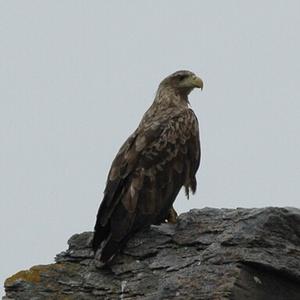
(182,81)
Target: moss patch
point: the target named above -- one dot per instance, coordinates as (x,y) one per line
(32,275)
(29,275)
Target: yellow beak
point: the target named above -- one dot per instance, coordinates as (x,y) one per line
(197,82)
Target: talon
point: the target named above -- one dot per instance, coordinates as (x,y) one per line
(172,216)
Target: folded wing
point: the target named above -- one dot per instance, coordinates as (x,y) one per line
(145,178)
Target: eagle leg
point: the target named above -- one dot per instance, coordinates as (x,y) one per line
(172,216)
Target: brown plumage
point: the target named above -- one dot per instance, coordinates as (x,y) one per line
(161,156)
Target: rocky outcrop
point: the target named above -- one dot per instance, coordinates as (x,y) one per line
(209,254)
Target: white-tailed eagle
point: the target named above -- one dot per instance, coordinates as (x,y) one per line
(161,156)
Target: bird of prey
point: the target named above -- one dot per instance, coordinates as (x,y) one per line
(159,157)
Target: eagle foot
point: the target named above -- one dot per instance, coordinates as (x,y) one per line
(172,216)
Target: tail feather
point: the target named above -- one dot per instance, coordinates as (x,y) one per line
(100,234)
(111,248)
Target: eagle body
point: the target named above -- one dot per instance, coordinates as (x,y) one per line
(156,161)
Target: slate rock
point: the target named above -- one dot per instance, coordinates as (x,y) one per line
(209,254)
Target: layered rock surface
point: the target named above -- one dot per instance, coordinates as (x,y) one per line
(209,254)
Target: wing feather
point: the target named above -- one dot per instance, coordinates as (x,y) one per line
(145,178)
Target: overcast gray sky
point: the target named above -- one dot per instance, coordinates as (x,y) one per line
(76,77)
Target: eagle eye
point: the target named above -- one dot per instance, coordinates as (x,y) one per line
(181,77)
